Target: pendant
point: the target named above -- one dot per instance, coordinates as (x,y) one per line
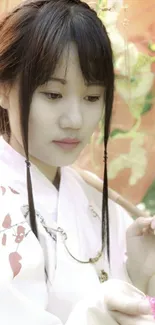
(103,276)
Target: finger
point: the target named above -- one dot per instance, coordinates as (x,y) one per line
(153,224)
(138,225)
(151,231)
(127,305)
(147,231)
(122,319)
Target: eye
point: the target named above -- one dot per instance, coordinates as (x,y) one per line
(53,96)
(92,99)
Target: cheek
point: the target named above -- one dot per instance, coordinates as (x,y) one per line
(14,120)
(42,121)
(92,119)
(14,112)
(39,115)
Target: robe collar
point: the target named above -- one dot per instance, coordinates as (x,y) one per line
(70,205)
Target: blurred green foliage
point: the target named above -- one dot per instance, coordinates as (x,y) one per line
(149,199)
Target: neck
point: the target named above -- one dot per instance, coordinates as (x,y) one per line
(48,171)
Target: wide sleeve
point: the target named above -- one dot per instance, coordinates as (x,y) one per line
(23,291)
(15,308)
(23,287)
(96,310)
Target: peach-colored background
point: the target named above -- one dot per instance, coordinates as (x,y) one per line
(140,30)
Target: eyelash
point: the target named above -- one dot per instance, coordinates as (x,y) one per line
(55,96)
(93,98)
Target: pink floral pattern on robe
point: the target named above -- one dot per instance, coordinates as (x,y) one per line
(18,231)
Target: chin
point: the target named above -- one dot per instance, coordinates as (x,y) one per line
(57,157)
(64,160)
(64,163)
(57,161)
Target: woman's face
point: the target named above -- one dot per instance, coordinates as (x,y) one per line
(63,110)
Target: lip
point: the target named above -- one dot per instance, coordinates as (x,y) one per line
(67,143)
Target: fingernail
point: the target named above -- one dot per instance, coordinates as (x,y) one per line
(148,219)
(144,307)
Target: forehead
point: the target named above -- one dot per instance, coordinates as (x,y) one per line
(69,69)
(69,63)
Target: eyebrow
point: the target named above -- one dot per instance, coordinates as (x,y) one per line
(94,83)
(64,82)
(61,80)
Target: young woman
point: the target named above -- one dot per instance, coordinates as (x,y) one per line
(56,84)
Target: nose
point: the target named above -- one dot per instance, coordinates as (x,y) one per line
(72,116)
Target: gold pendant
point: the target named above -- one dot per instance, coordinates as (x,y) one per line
(96,259)
(103,276)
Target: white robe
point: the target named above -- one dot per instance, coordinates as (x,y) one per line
(25,296)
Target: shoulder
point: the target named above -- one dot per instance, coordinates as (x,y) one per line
(92,186)
(87,180)
(9,201)
(9,196)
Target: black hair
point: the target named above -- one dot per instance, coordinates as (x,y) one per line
(33,37)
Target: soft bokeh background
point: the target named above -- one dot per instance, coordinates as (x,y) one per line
(131,27)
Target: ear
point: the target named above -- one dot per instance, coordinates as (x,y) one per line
(4,96)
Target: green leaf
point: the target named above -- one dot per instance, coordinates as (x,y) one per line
(149,200)
(116,132)
(100,3)
(151,47)
(148,103)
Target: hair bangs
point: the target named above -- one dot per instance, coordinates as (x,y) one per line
(93,48)
(51,35)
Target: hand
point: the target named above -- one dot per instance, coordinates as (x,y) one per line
(122,319)
(126,304)
(141,252)
(114,302)
(124,298)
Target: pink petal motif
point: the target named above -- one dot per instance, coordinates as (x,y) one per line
(13,191)
(20,230)
(3,189)
(19,239)
(20,234)
(4,240)
(7,221)
(16,266)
